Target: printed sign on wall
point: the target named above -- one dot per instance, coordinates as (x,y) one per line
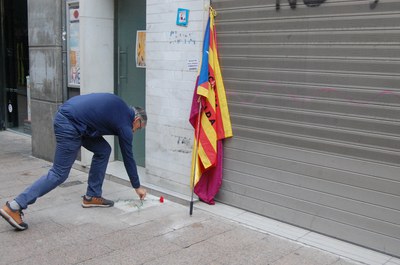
(74,71)
(182,17)
(140,48)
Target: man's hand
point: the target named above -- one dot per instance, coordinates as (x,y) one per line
(141,192)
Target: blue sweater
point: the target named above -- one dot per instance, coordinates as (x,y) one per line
(100,114)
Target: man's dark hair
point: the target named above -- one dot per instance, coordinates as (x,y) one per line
(141,113)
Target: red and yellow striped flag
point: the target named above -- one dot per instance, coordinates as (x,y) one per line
(212,124)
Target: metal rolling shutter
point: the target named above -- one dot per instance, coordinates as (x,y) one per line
(314,96)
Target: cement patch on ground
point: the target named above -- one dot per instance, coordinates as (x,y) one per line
(134,205)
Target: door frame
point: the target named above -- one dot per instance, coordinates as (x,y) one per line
(125,69)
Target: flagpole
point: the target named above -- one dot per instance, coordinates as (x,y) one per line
(195,152)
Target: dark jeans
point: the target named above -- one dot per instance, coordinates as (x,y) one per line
(68,144)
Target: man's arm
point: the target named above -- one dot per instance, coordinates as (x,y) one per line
(125,142)
(125,138)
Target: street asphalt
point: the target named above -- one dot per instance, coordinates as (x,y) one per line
(155,233)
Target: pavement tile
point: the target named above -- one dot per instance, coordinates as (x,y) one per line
(149,214)
(343,261)
(43,228)
(343,249)
(18,182)
(219,209)
(197,254)
(41,246)
(125,238)
(264,251)
(393,261)
(153,228)
(182,218)
(10,189)
(197,232)
(238,238)
(307,256)
(138,253)
(14,164)
(67,254)
(71,215)
(271,226)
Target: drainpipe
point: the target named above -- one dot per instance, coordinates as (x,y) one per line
(64,52)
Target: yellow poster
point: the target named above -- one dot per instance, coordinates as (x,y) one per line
(141,48)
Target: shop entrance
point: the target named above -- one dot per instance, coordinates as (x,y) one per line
(130,73)
(14,62)
(313,92)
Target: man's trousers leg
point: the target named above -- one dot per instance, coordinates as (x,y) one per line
(68,143)
(101,154)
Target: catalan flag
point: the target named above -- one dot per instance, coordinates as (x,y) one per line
(210,118)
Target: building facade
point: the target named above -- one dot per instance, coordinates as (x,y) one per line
(100,55)
(312,86)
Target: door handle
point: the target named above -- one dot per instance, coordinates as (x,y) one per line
(119,73)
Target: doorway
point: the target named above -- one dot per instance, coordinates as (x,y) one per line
(14,62)
(130,74)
